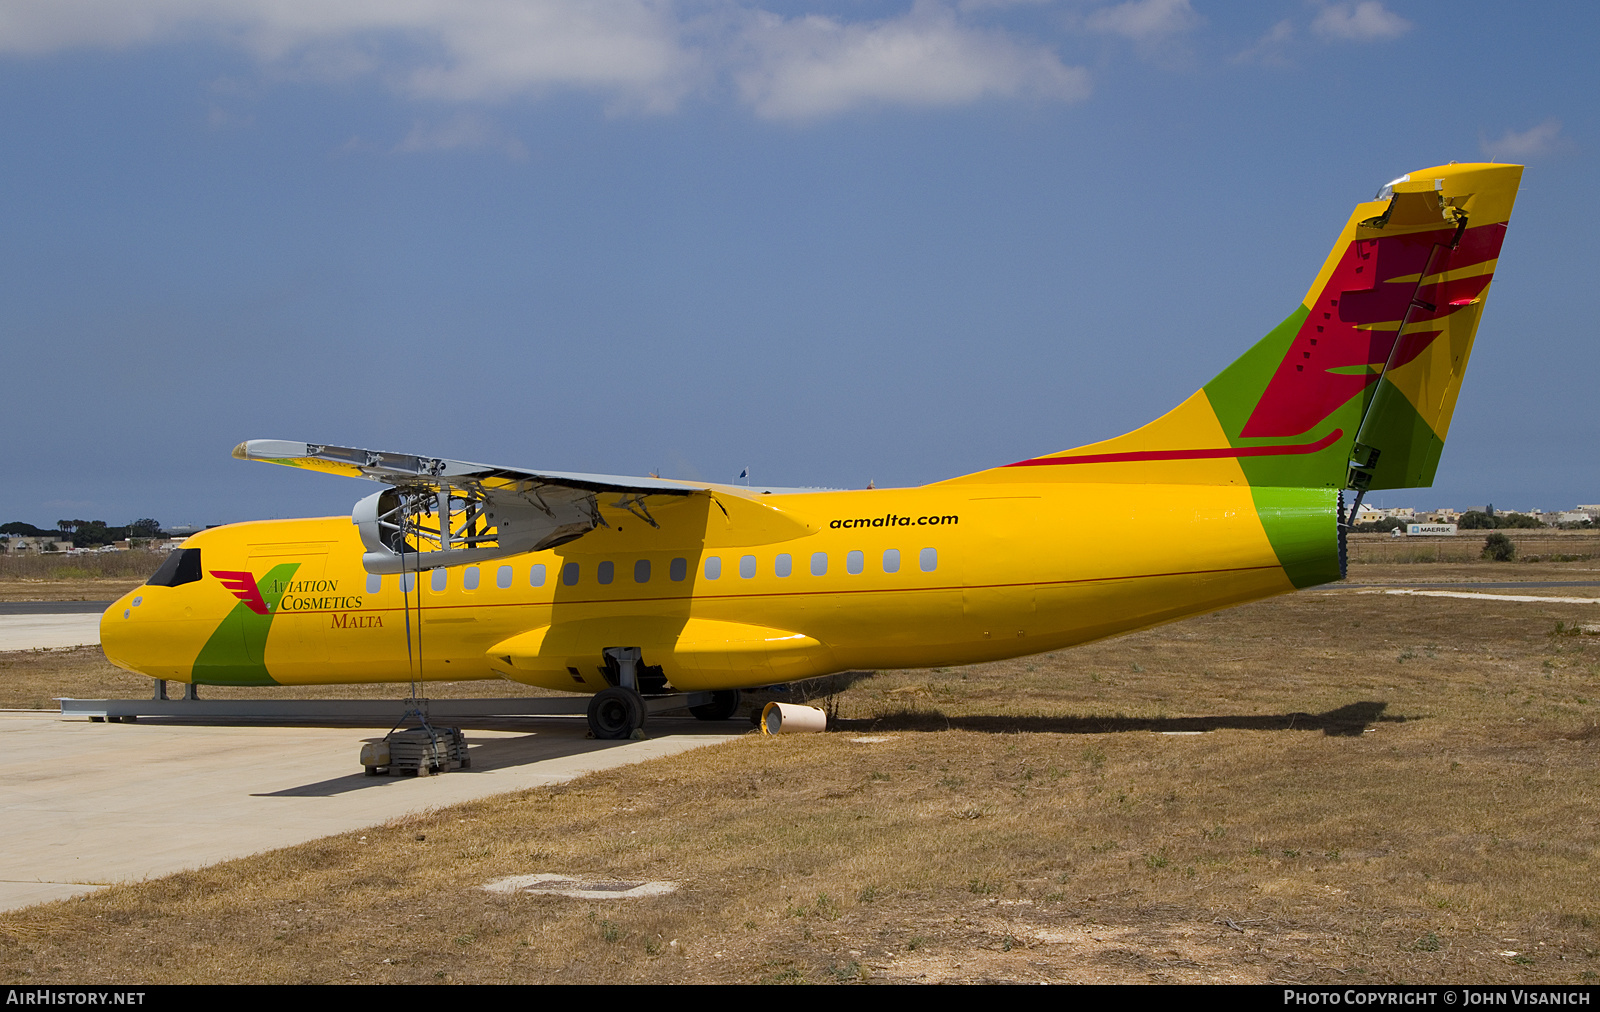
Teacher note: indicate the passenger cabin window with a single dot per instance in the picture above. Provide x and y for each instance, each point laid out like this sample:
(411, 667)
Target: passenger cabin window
(374, 583)
(181, 567)
(929, 559)
(469, 578)
(783, 565)
(536, 575)
(854, 563)
(502, 577)
(747, 566)
(441, 580)
(605, 572)
(569, 574)
(641, 571)
(713, 567)
(408, 582)
(678, 570)
(819, 564)
(891, 560)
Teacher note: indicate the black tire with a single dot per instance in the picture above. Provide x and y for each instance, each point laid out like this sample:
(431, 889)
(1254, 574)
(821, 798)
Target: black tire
(724, 704)
(616, 712)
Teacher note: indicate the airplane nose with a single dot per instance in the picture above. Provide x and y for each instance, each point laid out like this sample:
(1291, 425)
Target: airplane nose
(137, 637)
(120, 635)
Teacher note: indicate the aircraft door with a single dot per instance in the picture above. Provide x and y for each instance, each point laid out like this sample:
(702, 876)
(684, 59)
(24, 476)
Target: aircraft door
(996, 600)
(295, 648)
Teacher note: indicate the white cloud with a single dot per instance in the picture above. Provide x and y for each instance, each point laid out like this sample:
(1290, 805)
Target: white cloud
(988, 5)
(627, 48)
(645, 55)
(466, 131)
(1269, 48)
(1367, 21)
(1145, 20)
(1511, 146)
(449, 49)
(815, 66)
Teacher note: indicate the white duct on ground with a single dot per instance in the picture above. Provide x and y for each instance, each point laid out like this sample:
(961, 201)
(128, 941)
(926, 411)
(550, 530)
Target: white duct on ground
(792, 718)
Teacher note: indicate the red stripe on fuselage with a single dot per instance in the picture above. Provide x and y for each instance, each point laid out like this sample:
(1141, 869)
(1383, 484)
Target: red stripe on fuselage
(1209, 454)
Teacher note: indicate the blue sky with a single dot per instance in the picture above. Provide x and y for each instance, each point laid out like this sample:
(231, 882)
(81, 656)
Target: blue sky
(832, 242)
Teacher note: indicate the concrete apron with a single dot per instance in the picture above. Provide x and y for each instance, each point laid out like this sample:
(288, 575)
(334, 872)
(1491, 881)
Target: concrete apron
(87, 805)
(41, 632)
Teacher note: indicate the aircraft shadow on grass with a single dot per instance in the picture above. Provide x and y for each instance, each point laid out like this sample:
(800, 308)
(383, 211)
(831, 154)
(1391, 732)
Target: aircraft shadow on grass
(1350, 720)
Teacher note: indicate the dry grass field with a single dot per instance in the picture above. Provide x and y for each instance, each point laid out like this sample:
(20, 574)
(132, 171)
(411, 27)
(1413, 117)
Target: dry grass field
(1534, 548)
(1341, 786)
(100, 576)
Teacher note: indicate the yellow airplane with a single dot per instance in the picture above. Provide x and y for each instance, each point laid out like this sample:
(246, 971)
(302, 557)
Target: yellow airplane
(625, 587)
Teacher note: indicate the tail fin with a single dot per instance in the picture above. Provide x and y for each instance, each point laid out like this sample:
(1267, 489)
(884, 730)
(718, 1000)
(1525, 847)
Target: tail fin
(1356, 388)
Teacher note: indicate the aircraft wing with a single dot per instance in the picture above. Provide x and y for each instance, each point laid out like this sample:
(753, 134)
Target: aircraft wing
(410, 469)
(440, 512)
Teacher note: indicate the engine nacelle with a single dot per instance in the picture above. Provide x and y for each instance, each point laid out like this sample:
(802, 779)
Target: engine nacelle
(410, 529)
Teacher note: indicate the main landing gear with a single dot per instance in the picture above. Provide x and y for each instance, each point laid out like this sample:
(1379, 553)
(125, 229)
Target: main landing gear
(724, 704)
(619, 711)
(616, 712)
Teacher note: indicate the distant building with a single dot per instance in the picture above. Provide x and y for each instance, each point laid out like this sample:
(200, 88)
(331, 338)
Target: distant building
(1371, 513)
(21, 544)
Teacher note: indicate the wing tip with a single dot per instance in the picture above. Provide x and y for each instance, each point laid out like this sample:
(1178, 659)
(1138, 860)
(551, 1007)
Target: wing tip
(270, 450)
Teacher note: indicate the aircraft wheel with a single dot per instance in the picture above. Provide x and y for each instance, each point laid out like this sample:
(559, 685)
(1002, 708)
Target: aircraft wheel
(724, 704)
(616, 712)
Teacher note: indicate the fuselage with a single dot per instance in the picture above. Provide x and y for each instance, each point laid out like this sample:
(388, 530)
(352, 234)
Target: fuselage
(1230, 496)
(729, 590)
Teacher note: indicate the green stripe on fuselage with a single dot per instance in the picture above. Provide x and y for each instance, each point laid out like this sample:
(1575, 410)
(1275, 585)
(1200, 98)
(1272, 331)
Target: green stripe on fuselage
(1236, 391)
(236, 653)
(1302, 524)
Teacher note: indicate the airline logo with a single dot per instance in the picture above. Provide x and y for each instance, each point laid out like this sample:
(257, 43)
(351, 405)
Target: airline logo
(1351, 334)
(243, 586)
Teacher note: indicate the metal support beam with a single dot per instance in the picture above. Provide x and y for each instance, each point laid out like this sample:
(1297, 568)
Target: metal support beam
(627, 659)
(377, 712)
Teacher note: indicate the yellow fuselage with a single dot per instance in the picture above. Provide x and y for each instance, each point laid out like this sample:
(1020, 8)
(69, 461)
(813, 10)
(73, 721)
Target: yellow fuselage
(728, 591)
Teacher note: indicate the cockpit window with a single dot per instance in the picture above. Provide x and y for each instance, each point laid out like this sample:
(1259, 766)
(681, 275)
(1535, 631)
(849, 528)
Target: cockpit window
(182, 566)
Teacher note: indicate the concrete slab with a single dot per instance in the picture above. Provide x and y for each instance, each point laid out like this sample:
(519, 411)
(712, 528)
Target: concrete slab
(54, 607)
(36, 632)
(86, 805)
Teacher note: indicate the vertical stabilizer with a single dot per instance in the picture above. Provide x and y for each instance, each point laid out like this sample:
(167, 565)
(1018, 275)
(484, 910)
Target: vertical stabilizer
(1357, 386)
